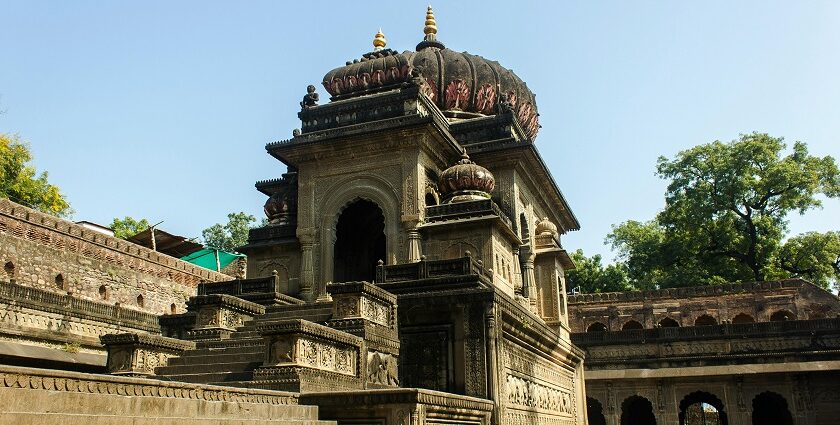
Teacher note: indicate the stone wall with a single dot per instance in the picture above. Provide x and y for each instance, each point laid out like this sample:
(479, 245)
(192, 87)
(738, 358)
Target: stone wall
(795, 299)
(41, 251)
(47, 397)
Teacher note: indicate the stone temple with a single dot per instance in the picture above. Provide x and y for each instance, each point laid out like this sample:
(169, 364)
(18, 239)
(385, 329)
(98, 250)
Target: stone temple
(411, 272)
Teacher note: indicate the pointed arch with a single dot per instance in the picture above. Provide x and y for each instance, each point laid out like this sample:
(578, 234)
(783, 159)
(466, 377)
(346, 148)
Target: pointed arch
(631, 325)
(694, 409)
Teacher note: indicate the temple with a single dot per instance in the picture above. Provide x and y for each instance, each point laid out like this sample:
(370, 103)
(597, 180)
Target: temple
(411, 272)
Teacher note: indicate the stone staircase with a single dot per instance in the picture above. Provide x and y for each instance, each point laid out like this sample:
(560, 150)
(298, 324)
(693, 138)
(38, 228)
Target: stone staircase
(231, 362)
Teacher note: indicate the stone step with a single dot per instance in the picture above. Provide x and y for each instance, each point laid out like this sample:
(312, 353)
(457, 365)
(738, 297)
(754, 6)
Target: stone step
(311, 316)
(220, 357)
(220, 378)
(191, 368)
(229, 343)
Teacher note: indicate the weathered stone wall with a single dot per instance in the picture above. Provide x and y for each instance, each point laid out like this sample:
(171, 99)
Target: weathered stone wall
(723, 303)
(41, 251)
(47, 397)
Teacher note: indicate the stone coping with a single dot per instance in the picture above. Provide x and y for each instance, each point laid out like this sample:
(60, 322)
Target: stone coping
(300, 326)
(147, 340)
(77, 382)
(66, 304)
(725, 331)
(19, 212)
(39, 353)
(687, 292)
(226, 301)
(396, 396)
(365, 288)
(717, 370)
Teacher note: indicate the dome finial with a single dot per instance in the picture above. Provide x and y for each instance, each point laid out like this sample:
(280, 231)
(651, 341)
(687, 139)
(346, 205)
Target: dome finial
(431, 27)
(430, 31)
(379, 41)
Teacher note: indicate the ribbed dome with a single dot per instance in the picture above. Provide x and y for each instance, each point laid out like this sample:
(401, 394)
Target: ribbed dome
(462, 85)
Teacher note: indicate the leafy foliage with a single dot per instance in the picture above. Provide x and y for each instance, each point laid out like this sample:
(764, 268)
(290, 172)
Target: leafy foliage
(229, 236)
(127, 227)
(813, 256)
(22, 184)
(725, 213)
(589, 275)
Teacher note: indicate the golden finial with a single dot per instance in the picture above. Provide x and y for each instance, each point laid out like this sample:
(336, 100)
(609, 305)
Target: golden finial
(379, 41)
(431, 26)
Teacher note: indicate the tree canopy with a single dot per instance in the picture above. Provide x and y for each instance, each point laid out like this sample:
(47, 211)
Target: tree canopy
(127, 227)
(725, 216)
(20, 182)
(589, 275)
(229, 236)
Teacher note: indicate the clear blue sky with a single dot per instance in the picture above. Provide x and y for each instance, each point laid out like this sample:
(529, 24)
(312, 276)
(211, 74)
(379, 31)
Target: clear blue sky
(162, 109)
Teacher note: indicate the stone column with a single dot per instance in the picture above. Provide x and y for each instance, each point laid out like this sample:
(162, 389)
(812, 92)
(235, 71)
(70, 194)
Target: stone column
(414, 246)
(307, 266)
(529, 284)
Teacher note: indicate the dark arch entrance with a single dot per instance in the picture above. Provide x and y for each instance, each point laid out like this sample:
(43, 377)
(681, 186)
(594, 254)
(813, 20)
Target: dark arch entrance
(637, 410)
(770, 408)
(702, 408)
(595, 412)
(359, 242)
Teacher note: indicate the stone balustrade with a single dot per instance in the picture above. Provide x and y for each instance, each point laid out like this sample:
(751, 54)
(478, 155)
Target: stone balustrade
(218, 315)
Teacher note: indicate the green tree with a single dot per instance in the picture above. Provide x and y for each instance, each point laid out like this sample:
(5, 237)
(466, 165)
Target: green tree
(229, 236)
(726, 212)
(127, 227)
(589, 275)
(22, 184)
(813, 256)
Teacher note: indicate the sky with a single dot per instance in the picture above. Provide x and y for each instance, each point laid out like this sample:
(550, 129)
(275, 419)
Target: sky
(162, 109)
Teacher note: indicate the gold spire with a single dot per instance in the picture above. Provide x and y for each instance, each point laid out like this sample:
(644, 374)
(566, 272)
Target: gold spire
(379, 41)
(431, 26)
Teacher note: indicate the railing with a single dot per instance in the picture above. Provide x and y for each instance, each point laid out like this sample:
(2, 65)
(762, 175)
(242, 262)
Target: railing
(52, 302)
(241, 286)
(636, 336)
(466, 209)
(685, 292)
(424, 269)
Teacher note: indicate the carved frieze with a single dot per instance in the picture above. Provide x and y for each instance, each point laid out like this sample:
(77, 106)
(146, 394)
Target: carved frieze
(527, 393)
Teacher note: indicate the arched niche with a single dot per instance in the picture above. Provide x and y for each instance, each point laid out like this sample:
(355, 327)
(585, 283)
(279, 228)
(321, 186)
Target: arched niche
(344, 194)
(742, 318)
(770, 408)
(631, 325)
(705, 320)
(702, 408)
(668, 323)
(637, 410)
(782, 316)
(597, 327)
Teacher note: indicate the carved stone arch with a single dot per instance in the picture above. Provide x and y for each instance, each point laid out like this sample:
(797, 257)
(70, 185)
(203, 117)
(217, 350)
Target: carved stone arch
(770, 408)
(637, 410)
(459, 249)
(782, 316)
(742, 318)
(431, 196)
(341, 195)
(631, 325)
(595, 411)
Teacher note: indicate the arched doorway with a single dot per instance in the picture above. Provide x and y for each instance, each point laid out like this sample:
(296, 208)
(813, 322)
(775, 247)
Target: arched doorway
(595, 412)
(597, 327)
(782, 316)
(770, 408)
(359, 243)
(668, 323)
(637, 410)
(702, 408)
(742, 318)
(705, 320)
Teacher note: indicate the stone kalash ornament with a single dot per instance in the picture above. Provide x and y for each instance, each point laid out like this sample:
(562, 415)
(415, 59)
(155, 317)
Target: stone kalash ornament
(466, 181)
(281, 206)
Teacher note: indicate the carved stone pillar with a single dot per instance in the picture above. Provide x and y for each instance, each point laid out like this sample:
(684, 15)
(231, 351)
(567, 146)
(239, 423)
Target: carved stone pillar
(529, 284)
(307, 266)
(414, 246)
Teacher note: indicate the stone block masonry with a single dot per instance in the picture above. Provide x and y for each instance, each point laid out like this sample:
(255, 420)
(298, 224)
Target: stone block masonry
(41, 251)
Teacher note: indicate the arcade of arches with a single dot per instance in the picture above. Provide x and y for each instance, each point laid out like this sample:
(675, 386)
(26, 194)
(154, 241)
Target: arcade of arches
(695, 408)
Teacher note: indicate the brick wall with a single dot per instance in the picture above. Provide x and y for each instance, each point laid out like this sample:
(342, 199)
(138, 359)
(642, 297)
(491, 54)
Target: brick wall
(46, 252)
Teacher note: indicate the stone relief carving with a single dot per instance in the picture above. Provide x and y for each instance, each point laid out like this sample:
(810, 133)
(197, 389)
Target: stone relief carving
(206, 317)
(382, 369)
(376, 312)
(527, 393)
(281, 351)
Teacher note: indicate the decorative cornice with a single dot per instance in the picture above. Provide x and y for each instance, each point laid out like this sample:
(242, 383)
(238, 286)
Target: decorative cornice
(305, 327)
(397, 396)
(225, 301)
(147, 340)
(362, 288)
